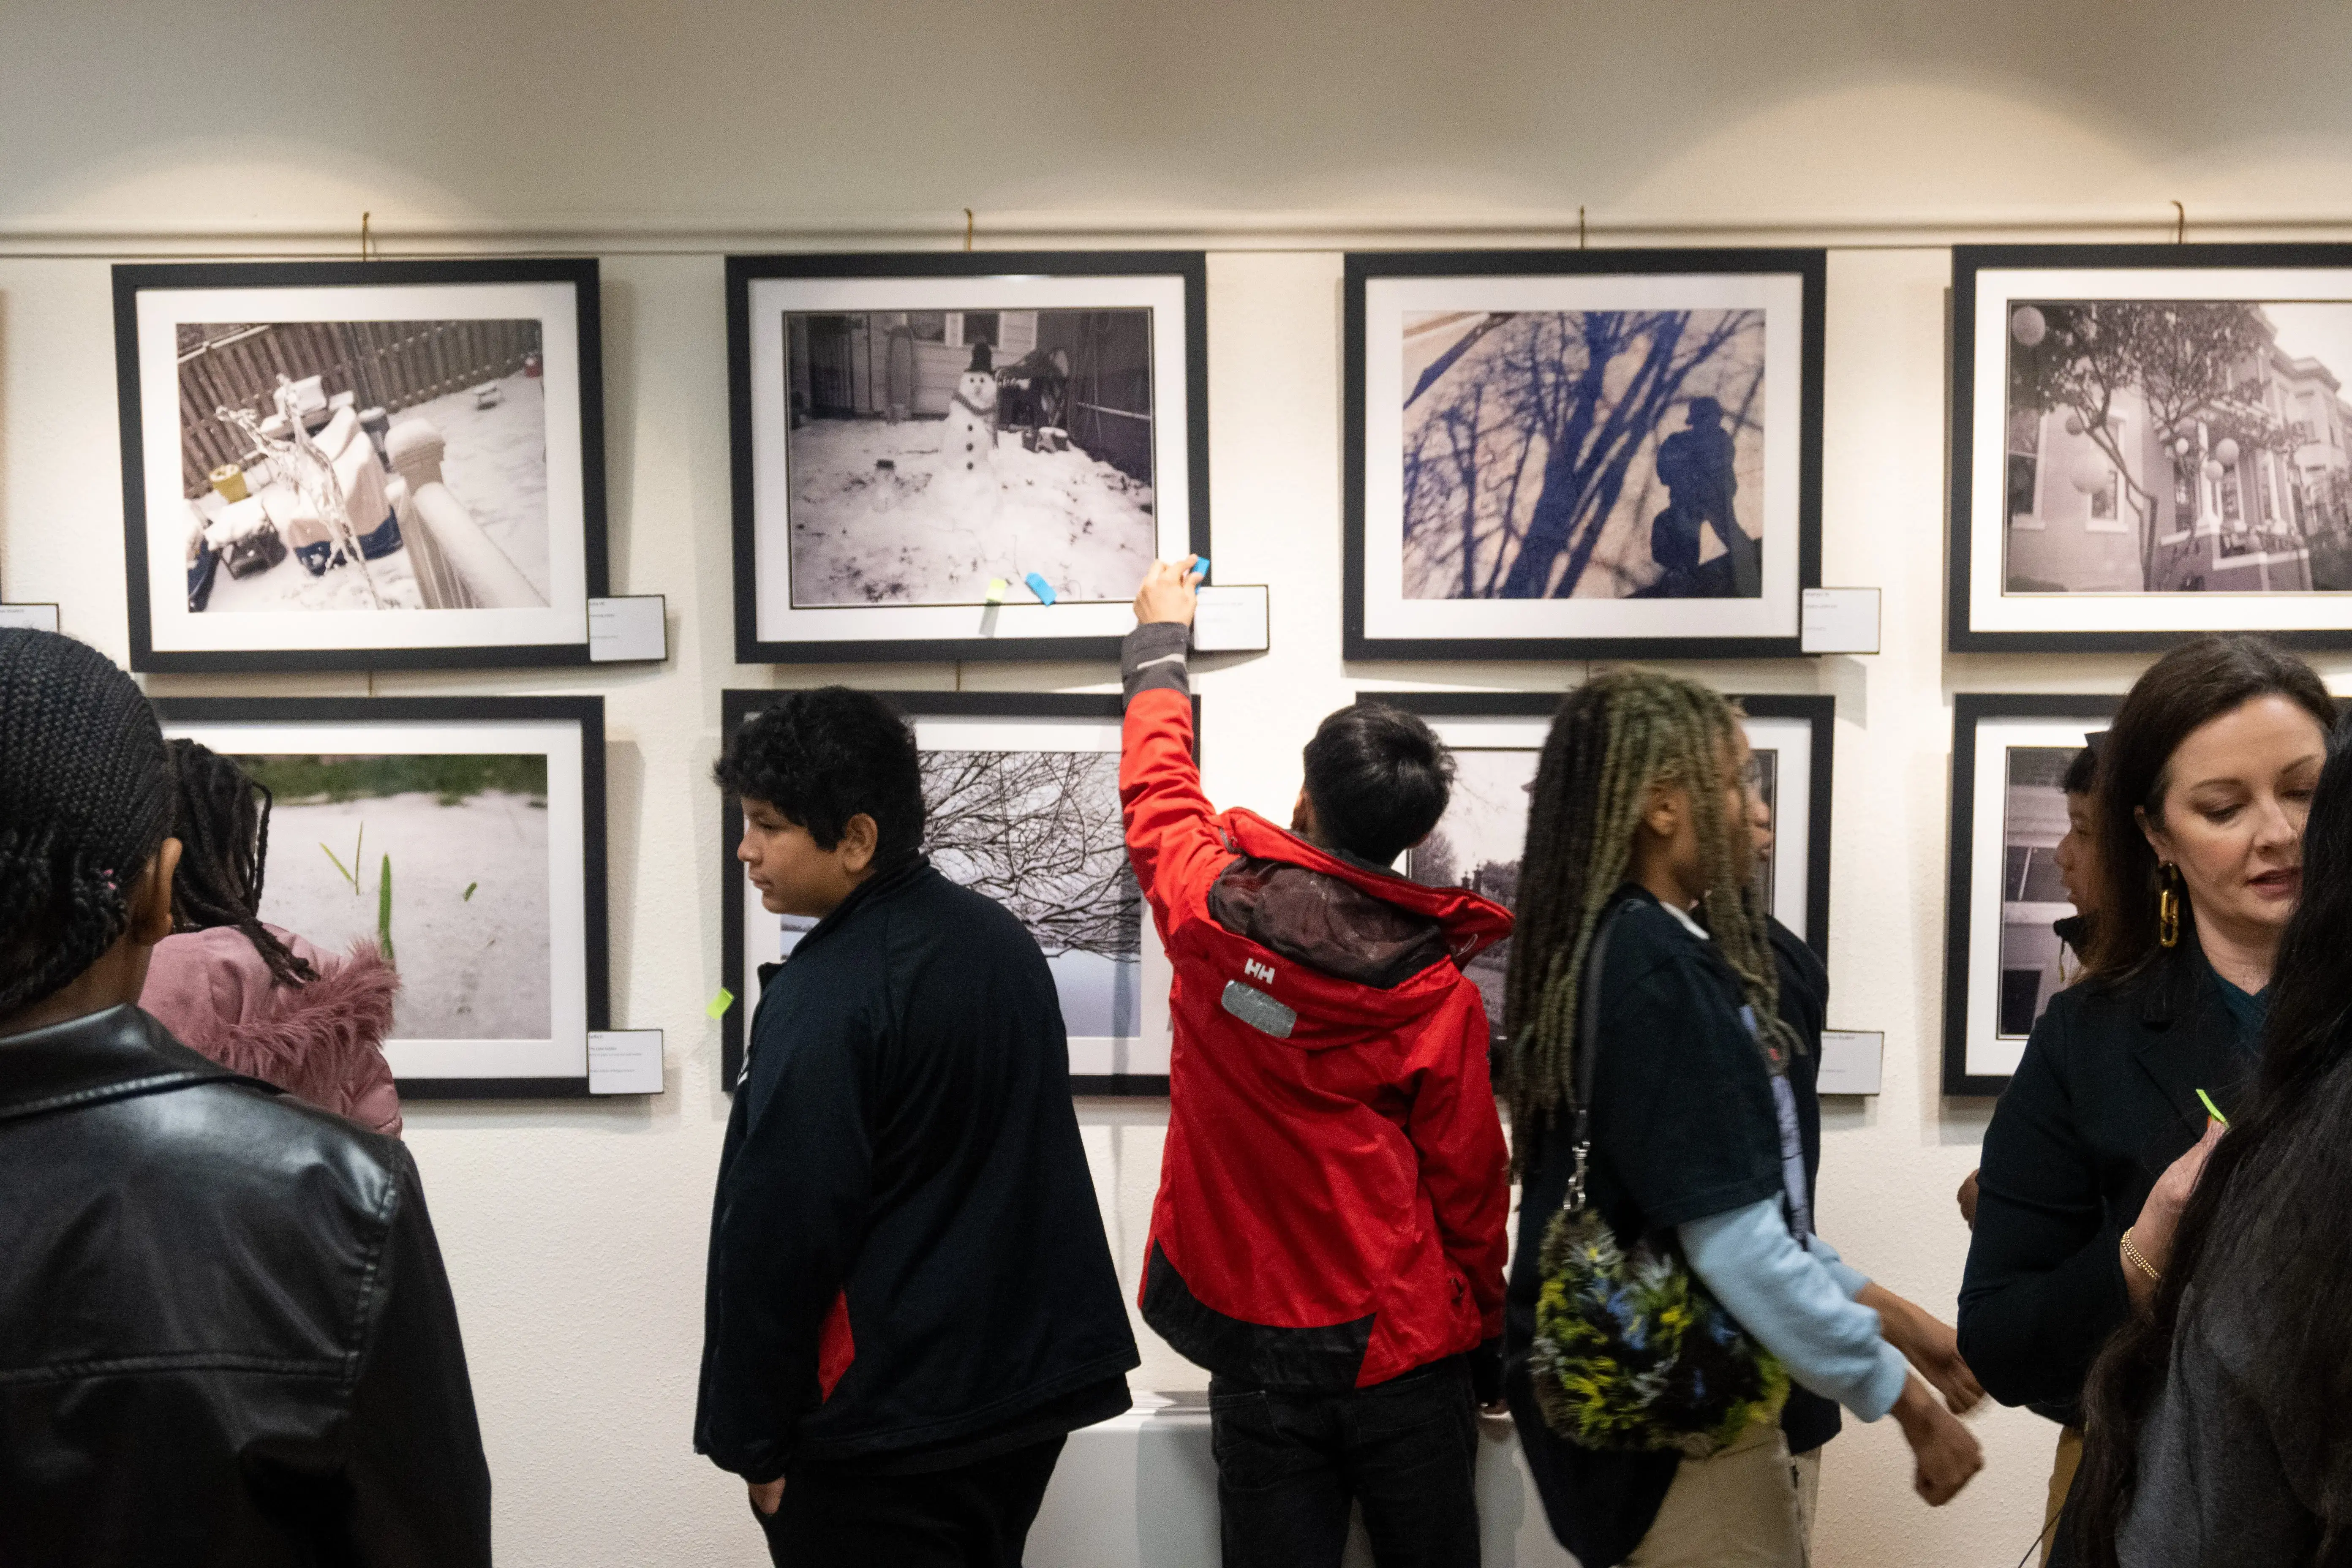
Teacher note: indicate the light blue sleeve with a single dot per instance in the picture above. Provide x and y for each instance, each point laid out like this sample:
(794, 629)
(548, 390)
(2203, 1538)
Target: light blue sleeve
(1796, 1307)
(1850, 1280)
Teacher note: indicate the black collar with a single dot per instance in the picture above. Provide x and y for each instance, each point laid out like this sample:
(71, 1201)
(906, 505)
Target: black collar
(876, 888)
(2189, 1040)
(102, 1055)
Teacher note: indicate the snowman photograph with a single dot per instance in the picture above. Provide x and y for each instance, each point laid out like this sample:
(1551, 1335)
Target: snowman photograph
(933, 453)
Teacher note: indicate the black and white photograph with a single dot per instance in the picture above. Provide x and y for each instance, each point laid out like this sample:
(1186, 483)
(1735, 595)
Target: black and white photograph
(2003, 957)
(463, 838)
(1497, 738)
(1021, 799)
(2151, 441)
(963, 456)
(1562, 456)
(347, 481)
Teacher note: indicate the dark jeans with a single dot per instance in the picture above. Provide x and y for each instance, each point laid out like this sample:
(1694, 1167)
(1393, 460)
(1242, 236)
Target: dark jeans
(975, 1516)
(1289, 1462)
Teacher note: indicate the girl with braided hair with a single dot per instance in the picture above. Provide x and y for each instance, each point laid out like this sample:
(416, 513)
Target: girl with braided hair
(255, 997)
(1634, 883)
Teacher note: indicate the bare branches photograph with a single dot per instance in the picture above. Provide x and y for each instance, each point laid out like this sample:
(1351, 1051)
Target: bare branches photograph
(1581, 454)
(1597, 454)
(2150, 441)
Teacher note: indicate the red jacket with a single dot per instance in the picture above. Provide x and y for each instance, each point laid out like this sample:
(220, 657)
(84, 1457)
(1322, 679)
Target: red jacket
(1335, 1187)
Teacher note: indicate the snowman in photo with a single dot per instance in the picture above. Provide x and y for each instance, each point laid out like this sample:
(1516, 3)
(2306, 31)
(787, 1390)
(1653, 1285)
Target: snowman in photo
(968, 491)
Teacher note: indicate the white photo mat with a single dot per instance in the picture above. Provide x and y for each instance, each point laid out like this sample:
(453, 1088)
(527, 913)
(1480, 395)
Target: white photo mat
(175, 629)
(766, 939)
(564, 1053)
(1019, 615)
(1388, 300)
(1990, 609)
(1989, 1053)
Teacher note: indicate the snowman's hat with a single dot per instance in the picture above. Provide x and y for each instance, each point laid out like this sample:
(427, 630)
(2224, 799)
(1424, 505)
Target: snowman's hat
(982, 362)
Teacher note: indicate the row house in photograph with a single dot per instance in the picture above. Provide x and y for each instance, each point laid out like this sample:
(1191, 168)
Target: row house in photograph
(2229, 514)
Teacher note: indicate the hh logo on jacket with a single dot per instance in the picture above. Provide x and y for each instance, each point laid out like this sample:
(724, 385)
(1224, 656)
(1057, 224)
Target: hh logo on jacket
(1261, 972)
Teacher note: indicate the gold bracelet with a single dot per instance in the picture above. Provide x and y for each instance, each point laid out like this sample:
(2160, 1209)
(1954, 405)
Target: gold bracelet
(2138, 1261)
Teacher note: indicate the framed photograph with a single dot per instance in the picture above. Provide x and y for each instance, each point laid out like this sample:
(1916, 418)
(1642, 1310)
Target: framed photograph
(1583, 454)
(464, 836)
(366, 465)
(1498, 737)
(961, 456)
(1022, 794)
(2003, 962)
(2150, 442)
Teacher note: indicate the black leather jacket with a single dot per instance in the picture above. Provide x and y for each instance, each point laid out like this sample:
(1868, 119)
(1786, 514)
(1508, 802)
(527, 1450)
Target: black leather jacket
(226, 1336)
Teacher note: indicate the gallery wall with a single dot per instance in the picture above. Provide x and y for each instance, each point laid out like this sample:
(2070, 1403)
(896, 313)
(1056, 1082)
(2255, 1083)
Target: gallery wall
(1272, 135)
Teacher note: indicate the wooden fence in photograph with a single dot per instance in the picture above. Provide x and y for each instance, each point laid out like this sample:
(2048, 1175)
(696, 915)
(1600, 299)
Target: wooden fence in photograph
(390, 365)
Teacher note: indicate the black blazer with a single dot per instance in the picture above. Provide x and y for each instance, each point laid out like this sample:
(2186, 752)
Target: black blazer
(2105, 1099)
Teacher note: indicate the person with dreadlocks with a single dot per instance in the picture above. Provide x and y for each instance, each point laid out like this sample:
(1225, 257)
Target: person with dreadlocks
(1639, 850)
(225, 1333)
(255, 998)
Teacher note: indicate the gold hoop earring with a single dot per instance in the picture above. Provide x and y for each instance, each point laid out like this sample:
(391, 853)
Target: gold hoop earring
(2168, 905)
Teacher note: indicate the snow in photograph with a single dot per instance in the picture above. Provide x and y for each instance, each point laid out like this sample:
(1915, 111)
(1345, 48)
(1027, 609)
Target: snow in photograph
(364, 466)
(1039, 832)
(1583, 454)
(933, 452)
(440, 860)
(2177, 445)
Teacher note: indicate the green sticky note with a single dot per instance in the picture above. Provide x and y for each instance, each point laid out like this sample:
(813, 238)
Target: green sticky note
(996, 586)
(719, 1004)
(2212, 1110)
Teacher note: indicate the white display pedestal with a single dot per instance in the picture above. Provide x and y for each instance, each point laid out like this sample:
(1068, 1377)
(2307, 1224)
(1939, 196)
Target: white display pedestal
(1140, 1492)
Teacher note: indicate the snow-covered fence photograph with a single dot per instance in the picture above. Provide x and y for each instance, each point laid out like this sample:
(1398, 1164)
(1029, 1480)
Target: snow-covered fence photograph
(364, 465)
(1039, 832)
(1587, 454)
(933, 452)
(441, 860)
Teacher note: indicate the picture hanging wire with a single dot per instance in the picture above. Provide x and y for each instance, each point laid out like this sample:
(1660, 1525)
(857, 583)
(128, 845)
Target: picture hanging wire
(967, 231)
(1579, 226)
(2179, 223)
(364, 236)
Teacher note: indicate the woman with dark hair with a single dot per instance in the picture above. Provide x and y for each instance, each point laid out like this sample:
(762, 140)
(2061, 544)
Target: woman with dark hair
(254, 997)
(2203, 784)
(2221, 1420)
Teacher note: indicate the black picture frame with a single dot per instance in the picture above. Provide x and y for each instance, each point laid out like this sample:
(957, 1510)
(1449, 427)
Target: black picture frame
(588, 713)
(1811, 266)
(750, 647)
(736, 705)
(1970, 709)
(1820, 712)
(134, 279)
(1970, 542)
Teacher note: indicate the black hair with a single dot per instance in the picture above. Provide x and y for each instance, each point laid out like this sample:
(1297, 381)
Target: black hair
(821, 757)
(2083, 772)
(84, 803)
(2262, 1241)
(1380, 779)
(2194, 684)
(223, 826)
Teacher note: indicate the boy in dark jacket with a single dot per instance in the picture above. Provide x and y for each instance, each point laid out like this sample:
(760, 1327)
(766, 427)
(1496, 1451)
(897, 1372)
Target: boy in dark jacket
(911, 1301)
(1329, 1238)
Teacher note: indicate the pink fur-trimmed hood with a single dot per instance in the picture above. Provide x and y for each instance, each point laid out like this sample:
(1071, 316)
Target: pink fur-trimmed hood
(322, 1042)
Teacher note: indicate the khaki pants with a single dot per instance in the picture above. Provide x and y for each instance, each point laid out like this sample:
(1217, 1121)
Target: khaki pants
(2061, 1481)
(1750, 1506)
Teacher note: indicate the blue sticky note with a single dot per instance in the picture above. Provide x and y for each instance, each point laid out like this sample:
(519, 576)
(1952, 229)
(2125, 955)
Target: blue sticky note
(1200, 564)
(1039, 586)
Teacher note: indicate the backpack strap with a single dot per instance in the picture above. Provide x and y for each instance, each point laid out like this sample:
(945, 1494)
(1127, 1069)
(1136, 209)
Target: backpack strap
(1588, 1042)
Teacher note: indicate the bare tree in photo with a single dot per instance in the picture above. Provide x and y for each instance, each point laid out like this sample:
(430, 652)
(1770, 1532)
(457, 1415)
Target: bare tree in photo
(2189, 361)
(1039, 832)
(1522, 437)
(1433, 862)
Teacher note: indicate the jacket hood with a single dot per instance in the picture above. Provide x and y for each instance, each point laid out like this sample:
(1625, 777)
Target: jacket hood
(1342, 919)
